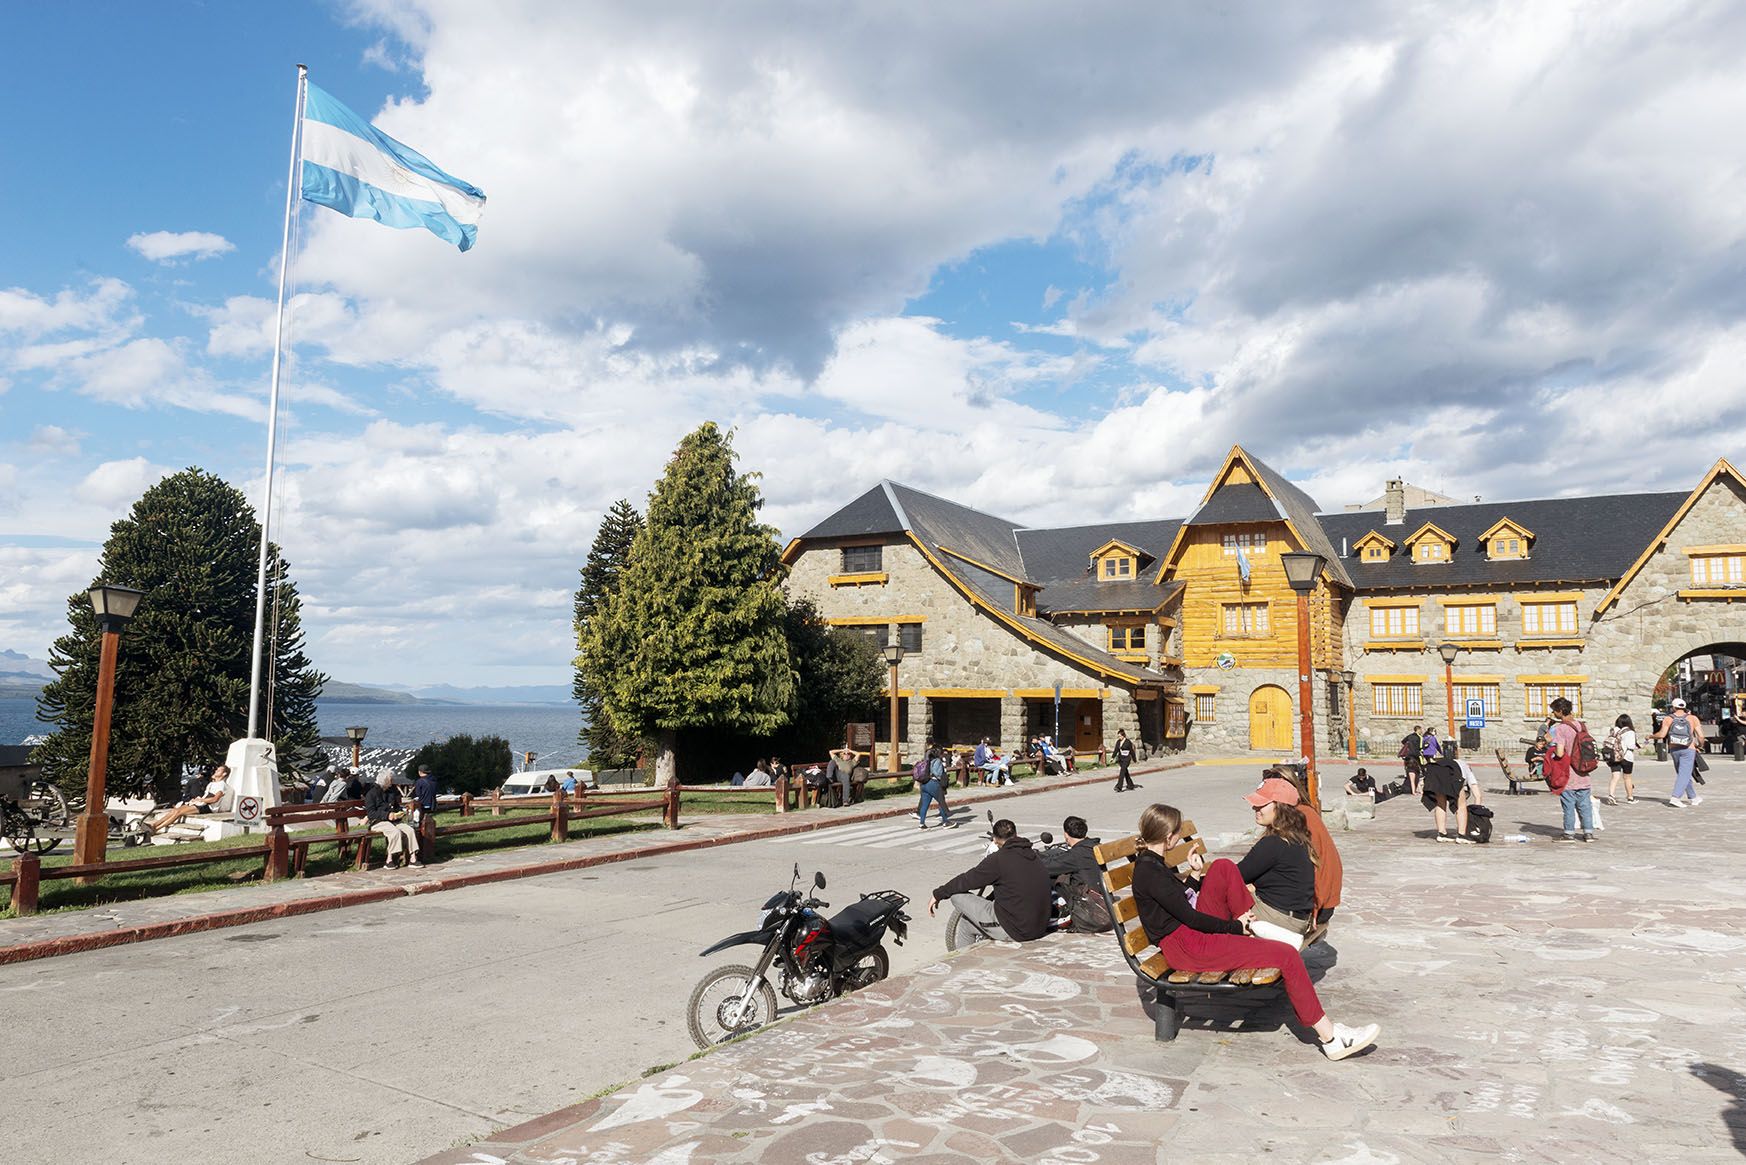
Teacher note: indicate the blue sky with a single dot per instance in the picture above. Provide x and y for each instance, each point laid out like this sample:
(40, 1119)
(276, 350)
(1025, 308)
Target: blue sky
(1050, 263)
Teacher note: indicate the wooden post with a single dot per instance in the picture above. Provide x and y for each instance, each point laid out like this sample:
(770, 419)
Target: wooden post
(1449, 693)
(671, 817)
(1306, 698)
(782, 794)
(466, 804)
(1351, 724)
(91, 837)
(278, 852)
(427, 836)
(28, 868)
(896, 762)
(497, 802)
(560, 817)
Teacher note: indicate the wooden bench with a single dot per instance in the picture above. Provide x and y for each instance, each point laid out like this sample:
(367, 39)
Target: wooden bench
(1517, 785)
(289, 853)
(1115, 860)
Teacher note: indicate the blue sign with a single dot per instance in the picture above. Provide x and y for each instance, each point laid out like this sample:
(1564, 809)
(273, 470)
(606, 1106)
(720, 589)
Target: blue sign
(1476, 713)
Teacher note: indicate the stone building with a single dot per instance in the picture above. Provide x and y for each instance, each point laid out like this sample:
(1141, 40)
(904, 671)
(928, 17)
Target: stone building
(1184, 631)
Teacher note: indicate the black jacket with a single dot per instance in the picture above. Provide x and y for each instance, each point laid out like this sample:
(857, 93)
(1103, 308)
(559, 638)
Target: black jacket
(1163, 901)
(1021, 888)
(380, 802)
(1078, 862)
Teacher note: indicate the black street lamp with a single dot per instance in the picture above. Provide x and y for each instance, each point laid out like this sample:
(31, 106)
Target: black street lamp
(114, 606)
(1449, 651)
(356, 734)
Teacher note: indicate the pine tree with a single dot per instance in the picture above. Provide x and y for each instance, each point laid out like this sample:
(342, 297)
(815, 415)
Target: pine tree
(841, 677)
(692, 636)
(296, 685)
(181, 681)
(608, 748)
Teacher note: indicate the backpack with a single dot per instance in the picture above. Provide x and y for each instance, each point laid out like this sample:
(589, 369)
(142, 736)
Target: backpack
(1089, 910)
(1679, 731)
(1610, 747)
(1479, 823)
(919, 770)
(1556, 770)
(1584, 756)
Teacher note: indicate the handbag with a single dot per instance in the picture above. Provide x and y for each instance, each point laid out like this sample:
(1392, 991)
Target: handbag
(1699, 767)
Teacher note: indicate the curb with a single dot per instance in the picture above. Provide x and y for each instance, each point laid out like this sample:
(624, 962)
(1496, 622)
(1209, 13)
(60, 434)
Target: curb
(218, 920)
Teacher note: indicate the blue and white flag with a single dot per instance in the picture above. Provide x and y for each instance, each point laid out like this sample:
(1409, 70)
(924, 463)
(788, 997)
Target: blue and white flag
(356, 169)
(1242, 566)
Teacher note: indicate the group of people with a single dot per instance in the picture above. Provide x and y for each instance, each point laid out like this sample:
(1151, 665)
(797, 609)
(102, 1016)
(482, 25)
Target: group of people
(763, 775)
(1204, 916)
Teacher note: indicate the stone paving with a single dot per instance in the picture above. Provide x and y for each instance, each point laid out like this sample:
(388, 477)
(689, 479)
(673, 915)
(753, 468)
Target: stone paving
(65, 932)
(1539, 1001)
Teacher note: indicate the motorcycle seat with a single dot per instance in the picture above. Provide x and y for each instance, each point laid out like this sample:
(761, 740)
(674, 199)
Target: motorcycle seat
(858, 926)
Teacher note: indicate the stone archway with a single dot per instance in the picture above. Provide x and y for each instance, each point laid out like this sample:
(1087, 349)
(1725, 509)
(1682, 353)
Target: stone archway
(1707, 677)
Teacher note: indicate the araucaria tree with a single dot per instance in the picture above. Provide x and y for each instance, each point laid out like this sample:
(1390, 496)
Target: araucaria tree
(608, 748)
(692, 636)
(182, 679)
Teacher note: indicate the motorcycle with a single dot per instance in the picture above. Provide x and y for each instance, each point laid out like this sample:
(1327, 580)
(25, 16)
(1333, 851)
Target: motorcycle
(814, 959)
(963, 932)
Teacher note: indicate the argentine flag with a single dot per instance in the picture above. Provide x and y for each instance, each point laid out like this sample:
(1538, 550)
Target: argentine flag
(355, 168)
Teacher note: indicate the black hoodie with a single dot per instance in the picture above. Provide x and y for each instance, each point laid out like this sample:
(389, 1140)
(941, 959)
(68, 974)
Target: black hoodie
(1078, 862)
(1021, 888)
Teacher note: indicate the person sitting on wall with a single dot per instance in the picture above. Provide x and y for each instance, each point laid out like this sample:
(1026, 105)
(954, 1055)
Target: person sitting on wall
(213, 800)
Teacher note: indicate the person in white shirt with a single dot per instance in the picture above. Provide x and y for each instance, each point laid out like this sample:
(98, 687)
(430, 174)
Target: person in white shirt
(210, 801)
(1619, 750)
(1475, 795)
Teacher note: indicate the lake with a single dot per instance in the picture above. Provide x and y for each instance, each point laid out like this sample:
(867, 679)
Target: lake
(549, 730)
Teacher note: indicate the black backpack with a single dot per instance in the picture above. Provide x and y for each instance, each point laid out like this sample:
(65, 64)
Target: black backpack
(1089, 909)
(1479, 823)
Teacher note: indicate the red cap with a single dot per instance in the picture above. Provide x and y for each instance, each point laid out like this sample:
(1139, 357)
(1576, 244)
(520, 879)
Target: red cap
(1273, 789)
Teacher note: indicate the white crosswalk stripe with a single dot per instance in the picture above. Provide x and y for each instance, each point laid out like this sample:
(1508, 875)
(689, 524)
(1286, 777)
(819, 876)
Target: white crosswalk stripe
(901, 833)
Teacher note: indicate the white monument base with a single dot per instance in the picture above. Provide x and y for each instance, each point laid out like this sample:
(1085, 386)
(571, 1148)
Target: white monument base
(254, 777)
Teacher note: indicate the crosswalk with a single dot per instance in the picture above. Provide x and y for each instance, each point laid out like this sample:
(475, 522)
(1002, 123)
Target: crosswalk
(971, 836)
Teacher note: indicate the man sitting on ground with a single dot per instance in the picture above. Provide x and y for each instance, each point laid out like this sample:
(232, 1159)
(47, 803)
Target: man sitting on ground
(216, 799)
(1020, 909)
(1077, 860)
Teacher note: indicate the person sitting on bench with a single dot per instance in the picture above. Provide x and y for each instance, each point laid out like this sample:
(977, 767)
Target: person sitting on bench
(1216, 932)
(995, 770)
(842, 770)
(1280, 869)
(211, 801)
(383, 811)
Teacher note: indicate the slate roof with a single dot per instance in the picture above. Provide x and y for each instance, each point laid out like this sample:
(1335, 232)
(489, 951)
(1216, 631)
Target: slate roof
(1575, 539)
(1237, 501)
(939, 522)
(871, 513)
(1301, 510)
(1065, 552)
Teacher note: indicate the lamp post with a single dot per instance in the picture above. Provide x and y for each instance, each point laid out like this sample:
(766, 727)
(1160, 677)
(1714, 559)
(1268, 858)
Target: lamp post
(114, 605)
(894, 656)
(1348, 678)
(1449, 651)
(356, 733)
(1302, 570)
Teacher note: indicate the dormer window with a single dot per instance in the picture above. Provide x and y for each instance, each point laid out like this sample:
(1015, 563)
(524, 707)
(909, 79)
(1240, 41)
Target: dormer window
(1373, 547)
(1115, 561)
(1506, 540)
(1118, 566)
(1431, 545)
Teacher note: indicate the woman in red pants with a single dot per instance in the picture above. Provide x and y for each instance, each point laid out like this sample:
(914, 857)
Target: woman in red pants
(1212, 934)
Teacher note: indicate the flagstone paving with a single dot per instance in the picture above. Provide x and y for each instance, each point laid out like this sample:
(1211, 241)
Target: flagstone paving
(1539, 1001)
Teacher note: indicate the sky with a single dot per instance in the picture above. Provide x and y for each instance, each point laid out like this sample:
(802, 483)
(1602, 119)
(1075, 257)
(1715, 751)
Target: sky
(1051, 261)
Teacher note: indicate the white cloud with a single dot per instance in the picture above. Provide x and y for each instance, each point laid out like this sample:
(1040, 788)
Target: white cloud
(28, 315)
(54, 441)
(114, 485)
(170, 246)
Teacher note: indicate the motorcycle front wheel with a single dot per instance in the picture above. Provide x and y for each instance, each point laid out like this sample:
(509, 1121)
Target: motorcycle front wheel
(867, 970)
(961, 933)
(715, 1000)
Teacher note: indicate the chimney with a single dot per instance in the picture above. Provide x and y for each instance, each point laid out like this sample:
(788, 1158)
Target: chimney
(1396, 506)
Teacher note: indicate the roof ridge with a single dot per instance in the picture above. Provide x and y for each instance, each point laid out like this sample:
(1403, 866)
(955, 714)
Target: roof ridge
(1515, 502)
(889, 485)
(886, 484)
(1092, 525)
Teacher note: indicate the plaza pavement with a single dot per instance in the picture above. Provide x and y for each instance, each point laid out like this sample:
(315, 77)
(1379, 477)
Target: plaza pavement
(115, 924)
(1545, 1001)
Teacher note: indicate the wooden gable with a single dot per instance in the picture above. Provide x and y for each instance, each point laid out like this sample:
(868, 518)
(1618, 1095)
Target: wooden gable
(1373, 547)
(1116, 561)
(1506, 540)
(1431, 544)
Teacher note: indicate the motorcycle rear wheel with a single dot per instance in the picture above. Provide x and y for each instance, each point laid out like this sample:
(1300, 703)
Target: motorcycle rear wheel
(961, 933)
(719, 990)
(867, 970)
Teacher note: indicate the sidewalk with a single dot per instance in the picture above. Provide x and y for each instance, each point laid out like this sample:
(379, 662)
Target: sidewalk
(67, 932)
(1540, 1001)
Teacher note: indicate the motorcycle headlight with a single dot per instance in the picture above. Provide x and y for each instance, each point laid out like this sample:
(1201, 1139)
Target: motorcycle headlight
(764, 918)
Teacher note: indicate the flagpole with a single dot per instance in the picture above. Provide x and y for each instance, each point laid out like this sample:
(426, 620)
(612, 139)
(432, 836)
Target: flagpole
(273, 408)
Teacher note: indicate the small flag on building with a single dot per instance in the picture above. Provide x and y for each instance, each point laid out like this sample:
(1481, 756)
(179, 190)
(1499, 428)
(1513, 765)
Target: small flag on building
(356, 169)
(1242, 566)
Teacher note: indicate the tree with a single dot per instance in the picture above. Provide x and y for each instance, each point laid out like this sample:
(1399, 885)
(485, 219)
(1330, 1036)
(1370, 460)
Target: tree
(294, 685)
(465, 764)
(692, 635)
(608, 748)
(181, 681)
(841, 677)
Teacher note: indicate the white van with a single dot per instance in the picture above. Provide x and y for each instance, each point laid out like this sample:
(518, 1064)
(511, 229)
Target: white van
(534, 780)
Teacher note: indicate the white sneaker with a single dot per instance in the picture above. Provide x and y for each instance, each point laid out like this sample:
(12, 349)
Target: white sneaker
(1348, 1041)
(1676, 803)
(1695, 801)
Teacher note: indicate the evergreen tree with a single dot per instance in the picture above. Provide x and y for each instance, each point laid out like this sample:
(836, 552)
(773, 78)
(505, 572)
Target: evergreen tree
(296, 685)
(465, 764)
(841, 678)
(181, 681)
(608, 748)
(692, 635)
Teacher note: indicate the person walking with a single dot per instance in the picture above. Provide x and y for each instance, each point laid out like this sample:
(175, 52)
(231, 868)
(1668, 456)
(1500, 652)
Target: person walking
(1124, 756)
(933, 788)
(1620, 753)
(1685, 738)
(1431, 747)
(1412, 747)
(1576, 794)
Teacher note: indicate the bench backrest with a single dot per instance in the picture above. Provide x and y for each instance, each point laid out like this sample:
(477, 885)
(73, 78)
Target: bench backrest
(1115, 862)
(320, 811)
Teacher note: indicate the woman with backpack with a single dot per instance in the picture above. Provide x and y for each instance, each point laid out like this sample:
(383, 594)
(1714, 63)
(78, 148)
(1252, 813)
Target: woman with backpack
(933, 788)
(1620, 752)
(1684, 739)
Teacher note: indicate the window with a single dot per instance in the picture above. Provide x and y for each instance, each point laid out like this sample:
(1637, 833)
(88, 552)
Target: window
(1548, 618)
(879, 633)
(1485, 692)
(863, 559)
(1718, 570)
(1374, 553)
(1430, 550)
(1252, 542)
(1397, 699)
(1118, 566)
(1203, 707)
(1540, 697)
(1472, 620)
(1127, 638)
(909, 636)
(1394, 622)
(1245, 619)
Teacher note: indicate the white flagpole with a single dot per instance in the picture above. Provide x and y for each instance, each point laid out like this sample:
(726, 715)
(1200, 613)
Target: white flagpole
(273, 409)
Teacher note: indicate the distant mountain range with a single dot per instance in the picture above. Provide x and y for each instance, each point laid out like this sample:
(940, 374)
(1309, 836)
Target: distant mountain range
(22, 677)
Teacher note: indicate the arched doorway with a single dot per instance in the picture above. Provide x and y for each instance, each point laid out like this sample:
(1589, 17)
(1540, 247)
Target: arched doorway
(1711, 680)
(1269, 718)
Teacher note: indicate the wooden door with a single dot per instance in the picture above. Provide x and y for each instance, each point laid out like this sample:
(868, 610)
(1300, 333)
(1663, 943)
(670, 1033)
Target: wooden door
(1269, 719)
(1088, 719)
